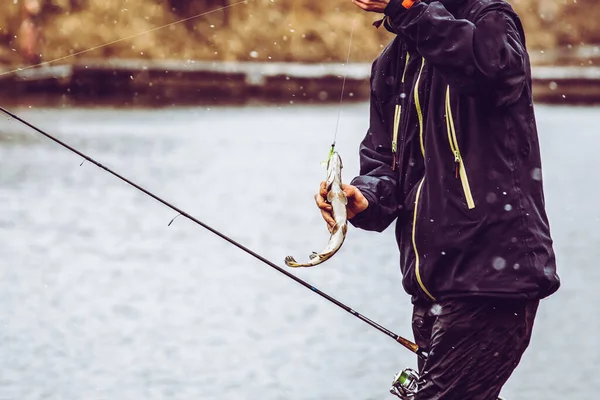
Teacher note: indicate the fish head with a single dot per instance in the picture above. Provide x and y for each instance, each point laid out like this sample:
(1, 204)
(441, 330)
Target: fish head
(334, 169)
(334, 166)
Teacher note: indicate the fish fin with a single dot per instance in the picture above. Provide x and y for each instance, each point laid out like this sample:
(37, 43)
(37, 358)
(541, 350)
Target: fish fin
(330, 196)
(341, 196)
(334, 229)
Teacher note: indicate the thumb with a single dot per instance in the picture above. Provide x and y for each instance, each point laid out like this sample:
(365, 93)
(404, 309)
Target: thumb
(349, 190)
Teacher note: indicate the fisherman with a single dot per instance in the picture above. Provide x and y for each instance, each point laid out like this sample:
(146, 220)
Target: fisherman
(29, 31)
(452, 155)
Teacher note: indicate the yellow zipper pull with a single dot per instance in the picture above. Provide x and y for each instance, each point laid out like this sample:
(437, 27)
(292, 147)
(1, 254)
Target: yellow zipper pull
(457, 161)
(395, 136)
(398, 115)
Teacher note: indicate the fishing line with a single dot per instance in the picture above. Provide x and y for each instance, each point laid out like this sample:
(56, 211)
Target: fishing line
(122, 39)
(404, 342)
(343, 85)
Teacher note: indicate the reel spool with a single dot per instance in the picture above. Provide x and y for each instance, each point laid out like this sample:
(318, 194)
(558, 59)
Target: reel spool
(404, 385)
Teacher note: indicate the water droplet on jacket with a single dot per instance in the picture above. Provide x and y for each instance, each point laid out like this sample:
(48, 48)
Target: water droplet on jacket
(431, 220)
(514, 240)
(436, 309)
(553, 85)
(507, 207)
(402, 95)
(254, 54)
(504, 193)
(491, 197)
(499, 263)
(549, 272)
(411, 162)
(443, 253)
(536, 174)
(516, 266)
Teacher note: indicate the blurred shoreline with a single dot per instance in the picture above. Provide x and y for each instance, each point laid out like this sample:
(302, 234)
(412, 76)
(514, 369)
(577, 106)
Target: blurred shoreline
(161, 83)
(140, 53)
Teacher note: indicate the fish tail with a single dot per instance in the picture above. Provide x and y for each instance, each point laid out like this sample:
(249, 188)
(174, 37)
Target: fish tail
(291, 262)
(315, 259)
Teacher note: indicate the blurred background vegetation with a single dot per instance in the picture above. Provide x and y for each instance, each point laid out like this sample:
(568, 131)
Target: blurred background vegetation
(259, 30)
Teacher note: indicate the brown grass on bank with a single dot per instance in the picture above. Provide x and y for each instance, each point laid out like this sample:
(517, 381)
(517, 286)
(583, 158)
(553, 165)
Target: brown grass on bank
(261, 30)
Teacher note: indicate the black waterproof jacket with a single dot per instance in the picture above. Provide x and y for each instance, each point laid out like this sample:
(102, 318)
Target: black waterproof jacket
(452, 153)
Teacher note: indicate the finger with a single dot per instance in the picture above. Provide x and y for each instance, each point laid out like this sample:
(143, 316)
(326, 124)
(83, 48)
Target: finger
(323, 189)
(321, 203)
(359, 4)
(328, 219)
(349, 191)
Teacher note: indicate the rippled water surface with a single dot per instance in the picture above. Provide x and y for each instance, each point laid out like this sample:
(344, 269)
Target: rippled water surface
(100, 299)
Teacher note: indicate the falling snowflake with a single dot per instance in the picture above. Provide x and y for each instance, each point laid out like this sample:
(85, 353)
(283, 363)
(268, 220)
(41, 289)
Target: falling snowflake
(436, 309)
(499, 263)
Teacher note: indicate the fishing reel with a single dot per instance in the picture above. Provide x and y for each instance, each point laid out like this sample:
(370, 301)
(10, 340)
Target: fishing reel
(404, 385)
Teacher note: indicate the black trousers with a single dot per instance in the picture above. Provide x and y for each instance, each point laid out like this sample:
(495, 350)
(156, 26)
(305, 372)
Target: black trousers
(474, 346)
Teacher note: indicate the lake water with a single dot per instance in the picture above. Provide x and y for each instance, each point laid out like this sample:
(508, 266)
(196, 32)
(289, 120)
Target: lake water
(100, 299)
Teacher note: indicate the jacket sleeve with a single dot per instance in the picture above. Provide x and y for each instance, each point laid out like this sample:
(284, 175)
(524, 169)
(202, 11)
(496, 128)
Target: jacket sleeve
(489, 54)
(377, 181)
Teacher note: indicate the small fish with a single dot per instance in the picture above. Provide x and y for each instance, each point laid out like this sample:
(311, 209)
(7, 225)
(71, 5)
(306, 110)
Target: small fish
(338, 201)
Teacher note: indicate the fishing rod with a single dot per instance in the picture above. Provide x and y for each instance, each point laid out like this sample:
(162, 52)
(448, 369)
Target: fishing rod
(405, 383)
(413, 347)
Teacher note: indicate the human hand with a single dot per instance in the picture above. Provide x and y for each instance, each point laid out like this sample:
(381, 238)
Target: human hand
(377, 6)
(357, 203)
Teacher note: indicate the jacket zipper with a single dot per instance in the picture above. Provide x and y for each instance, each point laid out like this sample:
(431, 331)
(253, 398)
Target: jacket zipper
(418, 107)
(460, 169)
(418, 195)
(414, 229)
(397, 116)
